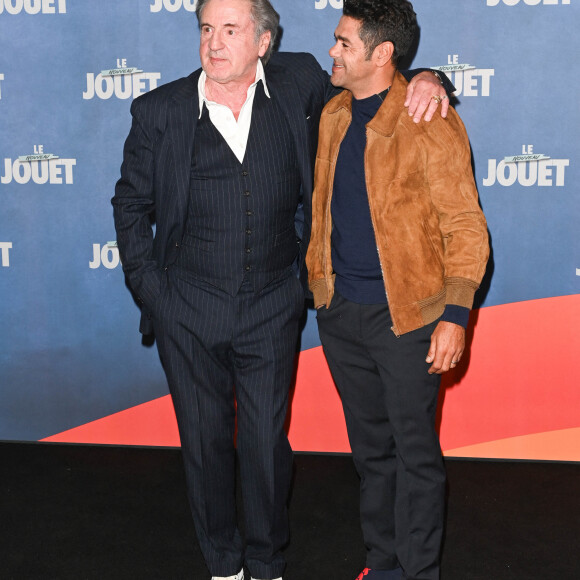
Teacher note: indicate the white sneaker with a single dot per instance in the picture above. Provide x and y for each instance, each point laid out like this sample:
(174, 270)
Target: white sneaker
(238, 576)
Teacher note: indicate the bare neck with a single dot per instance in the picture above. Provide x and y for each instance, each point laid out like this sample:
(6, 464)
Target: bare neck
(231, 94)
(375, 84)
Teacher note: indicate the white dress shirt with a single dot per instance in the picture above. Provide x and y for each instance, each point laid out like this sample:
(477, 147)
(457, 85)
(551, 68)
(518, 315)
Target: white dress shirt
(234, 132)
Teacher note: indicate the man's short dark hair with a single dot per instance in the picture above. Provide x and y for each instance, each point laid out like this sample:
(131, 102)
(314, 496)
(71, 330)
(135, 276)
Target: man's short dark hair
(264, 16)
(384, 20)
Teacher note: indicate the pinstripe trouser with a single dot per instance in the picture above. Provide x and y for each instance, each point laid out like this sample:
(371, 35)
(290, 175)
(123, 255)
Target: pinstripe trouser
(218, 350)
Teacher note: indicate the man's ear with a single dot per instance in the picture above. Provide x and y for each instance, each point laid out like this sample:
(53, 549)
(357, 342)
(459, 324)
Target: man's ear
(264, 43)
(383, 53)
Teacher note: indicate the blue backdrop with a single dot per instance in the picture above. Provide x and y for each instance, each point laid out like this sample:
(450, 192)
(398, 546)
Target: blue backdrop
(69, 348)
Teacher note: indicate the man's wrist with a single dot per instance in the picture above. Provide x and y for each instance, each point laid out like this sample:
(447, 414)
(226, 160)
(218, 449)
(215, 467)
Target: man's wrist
(436, 73)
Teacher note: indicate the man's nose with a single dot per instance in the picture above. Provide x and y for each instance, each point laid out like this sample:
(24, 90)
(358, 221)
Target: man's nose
(215, 42)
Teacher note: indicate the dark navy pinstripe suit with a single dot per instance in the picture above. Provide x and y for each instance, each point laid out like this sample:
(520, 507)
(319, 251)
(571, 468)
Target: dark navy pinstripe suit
(213, 336)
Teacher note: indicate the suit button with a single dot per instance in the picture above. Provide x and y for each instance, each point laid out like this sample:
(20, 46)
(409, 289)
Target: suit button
(249, 212)
(248, 232)
(245, 174)
(248, 250)
(248, 268)
(247, 193)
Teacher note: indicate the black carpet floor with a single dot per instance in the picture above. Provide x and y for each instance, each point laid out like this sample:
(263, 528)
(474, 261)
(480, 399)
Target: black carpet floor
(108, 513)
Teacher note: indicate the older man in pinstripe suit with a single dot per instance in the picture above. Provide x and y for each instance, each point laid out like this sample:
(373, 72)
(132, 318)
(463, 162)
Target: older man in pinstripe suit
(220, 161)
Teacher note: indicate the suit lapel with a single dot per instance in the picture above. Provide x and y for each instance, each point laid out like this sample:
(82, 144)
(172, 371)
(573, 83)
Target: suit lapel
(181, 125)
(288, 99)
(182, 122)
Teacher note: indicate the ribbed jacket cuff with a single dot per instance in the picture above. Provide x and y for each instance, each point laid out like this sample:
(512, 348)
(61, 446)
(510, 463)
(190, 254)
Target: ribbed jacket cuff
(319, 290)
(460, 291)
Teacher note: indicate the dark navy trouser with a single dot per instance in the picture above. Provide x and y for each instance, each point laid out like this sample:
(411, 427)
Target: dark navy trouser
(390, 403)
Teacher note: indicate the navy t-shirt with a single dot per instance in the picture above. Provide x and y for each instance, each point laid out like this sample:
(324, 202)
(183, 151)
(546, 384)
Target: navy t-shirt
(354, 249)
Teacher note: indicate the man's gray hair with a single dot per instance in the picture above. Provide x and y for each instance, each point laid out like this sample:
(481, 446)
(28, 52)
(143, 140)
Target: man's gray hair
(265, 18)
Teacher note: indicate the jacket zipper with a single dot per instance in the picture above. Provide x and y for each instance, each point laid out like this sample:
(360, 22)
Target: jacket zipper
(394, 327)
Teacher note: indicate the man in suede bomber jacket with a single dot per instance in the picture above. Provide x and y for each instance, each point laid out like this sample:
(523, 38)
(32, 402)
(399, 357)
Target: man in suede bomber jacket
(398, 248)
(430, 232)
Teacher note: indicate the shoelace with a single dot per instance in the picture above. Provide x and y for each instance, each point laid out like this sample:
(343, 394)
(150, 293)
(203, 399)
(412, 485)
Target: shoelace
(363, 573)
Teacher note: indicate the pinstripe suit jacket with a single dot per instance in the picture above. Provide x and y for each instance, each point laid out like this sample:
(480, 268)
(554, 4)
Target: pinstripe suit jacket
(155, 175)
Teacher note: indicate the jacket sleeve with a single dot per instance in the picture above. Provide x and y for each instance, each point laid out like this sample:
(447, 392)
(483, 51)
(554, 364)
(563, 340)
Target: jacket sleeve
(133, 211)
(315, 262)
(315, 255)
(461, 221)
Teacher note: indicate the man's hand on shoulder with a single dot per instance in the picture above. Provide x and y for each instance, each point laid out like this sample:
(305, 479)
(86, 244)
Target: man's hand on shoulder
(424, 94)
(447, 346)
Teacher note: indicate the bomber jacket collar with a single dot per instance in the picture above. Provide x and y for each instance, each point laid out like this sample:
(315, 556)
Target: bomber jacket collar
(385, 120)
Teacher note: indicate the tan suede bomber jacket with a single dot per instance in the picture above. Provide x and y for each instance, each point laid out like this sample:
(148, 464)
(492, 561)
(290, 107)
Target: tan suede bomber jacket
(430, 231)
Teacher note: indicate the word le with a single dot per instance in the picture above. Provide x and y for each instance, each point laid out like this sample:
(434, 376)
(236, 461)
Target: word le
(122, 69)
(5, 248)
(39, 155)
(528, 2)
(124, 85)
(173, 5)
(33, 6)
(322, 4)
(453, 64)
(527, 155)
(107, 255)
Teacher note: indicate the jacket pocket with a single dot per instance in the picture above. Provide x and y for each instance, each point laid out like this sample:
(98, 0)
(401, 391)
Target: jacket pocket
(286, 237)
(198, 243)
(433, 245)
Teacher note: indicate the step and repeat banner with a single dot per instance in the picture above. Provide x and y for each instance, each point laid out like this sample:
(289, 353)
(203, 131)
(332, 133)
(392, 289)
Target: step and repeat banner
(73, 366)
